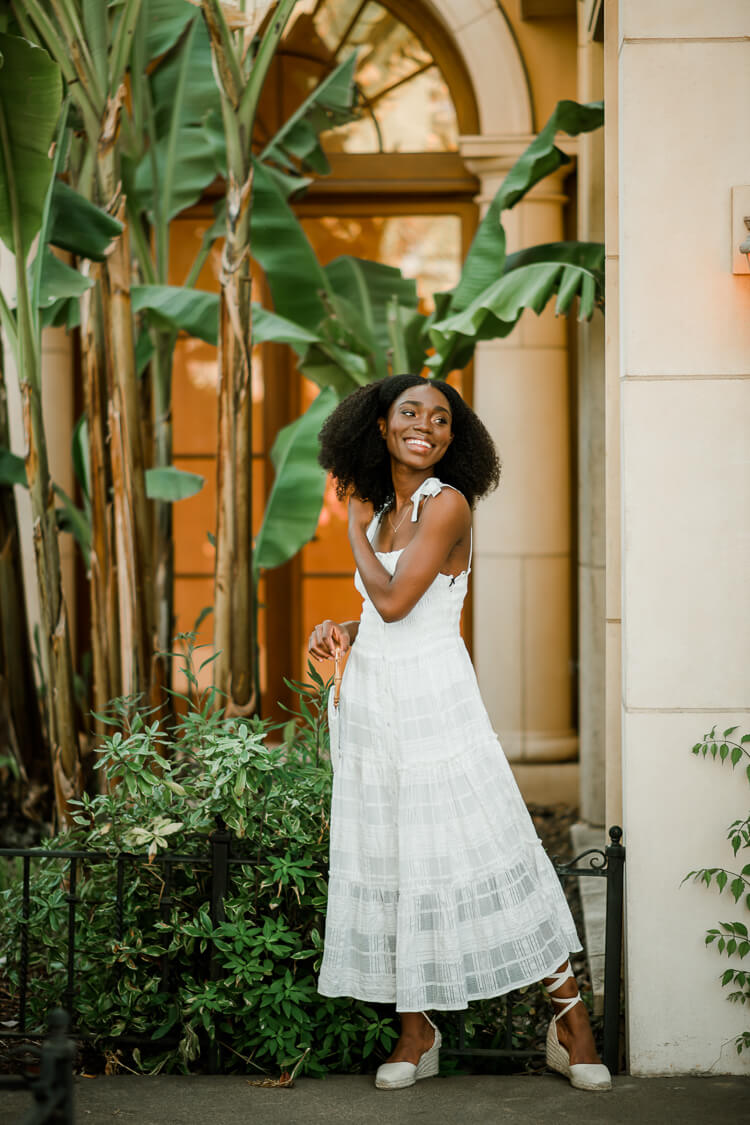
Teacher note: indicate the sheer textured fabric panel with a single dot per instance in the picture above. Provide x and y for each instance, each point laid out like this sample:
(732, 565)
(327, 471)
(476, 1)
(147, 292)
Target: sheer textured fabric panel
(440, 891)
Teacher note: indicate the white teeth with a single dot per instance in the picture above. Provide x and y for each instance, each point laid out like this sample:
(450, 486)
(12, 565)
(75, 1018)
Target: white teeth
(419, 444)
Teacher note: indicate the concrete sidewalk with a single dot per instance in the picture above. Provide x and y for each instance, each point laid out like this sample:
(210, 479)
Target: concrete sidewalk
(533, 1100)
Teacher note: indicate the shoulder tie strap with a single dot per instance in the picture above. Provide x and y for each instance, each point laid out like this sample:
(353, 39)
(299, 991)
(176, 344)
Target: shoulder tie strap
(430, 487)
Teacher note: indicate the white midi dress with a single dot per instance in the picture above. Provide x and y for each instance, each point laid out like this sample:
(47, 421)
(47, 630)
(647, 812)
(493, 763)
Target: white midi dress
(439, 889)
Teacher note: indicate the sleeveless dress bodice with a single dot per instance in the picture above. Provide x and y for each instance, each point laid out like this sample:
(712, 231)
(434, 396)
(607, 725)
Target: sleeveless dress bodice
(434, 620)
(439, 889)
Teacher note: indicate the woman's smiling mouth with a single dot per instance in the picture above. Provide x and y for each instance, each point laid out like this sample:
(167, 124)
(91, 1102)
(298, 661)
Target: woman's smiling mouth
(418, 444)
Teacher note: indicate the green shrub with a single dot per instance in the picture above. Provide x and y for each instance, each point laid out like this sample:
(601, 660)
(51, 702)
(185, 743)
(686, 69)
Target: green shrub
(165, 793)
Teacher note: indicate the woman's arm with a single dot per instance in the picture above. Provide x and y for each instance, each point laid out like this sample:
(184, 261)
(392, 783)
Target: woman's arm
(443, 522)
(329, 636)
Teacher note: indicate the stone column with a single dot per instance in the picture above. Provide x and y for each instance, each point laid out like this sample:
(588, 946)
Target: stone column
(590, 433)
(523, 580)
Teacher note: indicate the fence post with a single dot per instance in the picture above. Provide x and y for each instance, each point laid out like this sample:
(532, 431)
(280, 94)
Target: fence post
(220, 842)
(615, 852)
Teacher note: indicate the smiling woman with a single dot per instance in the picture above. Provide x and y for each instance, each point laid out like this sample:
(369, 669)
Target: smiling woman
(439, 891)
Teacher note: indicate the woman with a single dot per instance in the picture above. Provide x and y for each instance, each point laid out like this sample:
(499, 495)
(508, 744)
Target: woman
(440, 892)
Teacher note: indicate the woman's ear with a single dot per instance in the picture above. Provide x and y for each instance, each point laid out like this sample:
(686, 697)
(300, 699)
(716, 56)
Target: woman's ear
(382, 426)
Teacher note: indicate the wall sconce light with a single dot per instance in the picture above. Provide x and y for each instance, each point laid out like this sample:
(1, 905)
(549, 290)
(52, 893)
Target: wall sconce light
(741, 229)
(744, 247)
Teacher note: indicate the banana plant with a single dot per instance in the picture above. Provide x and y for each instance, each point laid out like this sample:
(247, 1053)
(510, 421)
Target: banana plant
(354, 321)
(169, 146)
(240, 71)
(27, 128)
(173, 148)
(23, 735)
(91, 43)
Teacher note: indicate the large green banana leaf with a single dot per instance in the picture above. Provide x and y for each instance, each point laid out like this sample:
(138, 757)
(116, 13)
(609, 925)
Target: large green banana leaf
(280, 245)
(293, 507)
(59, 282)
(330, 104)
(179, 168)
(186, 151)
(368, 288)
(328, 364)
(409, 341)
(165, 22)
(171, 484)
(183, 83)
(80, 226)
(171, 306)
(30, 100)
(269, 326)
(589, 255)
(12, 469)
(485, 260)
(494, 313)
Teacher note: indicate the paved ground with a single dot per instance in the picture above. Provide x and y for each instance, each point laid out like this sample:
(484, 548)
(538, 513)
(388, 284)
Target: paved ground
(534, 1100)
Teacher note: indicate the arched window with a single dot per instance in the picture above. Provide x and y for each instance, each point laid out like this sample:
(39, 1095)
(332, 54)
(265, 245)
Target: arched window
(398, 193)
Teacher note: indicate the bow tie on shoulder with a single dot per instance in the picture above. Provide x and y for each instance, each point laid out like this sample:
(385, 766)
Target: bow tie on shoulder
(430, 487)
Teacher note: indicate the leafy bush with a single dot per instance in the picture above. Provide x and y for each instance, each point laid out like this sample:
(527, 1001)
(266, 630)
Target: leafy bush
(164, 970)
(730, 938)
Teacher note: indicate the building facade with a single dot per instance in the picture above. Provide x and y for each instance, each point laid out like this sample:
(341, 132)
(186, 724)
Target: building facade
(611, 618)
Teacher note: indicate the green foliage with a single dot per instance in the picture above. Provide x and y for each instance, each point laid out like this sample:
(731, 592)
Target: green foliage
(171, 483)
(291, 513)
(354, 321)
(30, 99)
(174, 307)
(247, 980)
(730, 938)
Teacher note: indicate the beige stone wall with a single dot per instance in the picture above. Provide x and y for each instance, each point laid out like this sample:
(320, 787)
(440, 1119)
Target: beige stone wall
(679, 400)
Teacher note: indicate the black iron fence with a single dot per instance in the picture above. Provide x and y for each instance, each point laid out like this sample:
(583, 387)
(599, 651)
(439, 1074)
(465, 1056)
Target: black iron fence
(599, 863)
(50, 1078)
(606, 863)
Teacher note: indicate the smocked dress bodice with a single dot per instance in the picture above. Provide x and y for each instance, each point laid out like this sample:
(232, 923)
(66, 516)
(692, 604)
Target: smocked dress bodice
(436, 617)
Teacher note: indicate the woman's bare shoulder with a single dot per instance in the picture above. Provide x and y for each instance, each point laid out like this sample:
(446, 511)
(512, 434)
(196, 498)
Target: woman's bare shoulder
(449, 506)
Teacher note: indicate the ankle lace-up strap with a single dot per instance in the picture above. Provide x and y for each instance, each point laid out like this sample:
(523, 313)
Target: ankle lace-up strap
(568, 1002)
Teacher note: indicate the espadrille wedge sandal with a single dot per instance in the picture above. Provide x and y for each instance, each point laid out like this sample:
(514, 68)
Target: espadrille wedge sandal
(399, 1075)
(584, 1076)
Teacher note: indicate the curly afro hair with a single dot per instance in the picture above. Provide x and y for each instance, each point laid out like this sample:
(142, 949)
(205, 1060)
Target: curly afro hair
(352, 448)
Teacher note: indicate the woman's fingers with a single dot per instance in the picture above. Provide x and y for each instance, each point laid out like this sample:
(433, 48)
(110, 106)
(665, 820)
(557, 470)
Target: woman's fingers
(326, 638)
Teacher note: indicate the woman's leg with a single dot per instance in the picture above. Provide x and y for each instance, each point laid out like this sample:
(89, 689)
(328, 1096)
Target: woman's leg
(573, 1028)
(417, 1036)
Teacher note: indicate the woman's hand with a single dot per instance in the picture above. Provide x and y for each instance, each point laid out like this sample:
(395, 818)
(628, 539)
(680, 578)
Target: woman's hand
(361, 513)
(326, 638)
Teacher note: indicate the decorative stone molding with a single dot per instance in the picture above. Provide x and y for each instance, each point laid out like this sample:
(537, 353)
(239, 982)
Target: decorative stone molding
(485, 39)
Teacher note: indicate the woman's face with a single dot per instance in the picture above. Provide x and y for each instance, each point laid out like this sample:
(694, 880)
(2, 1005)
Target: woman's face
(418, 429)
